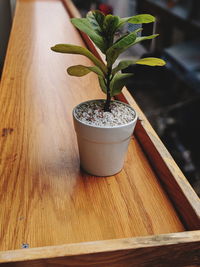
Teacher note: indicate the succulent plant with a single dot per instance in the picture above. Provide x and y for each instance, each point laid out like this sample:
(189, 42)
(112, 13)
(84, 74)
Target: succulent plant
(103, 30)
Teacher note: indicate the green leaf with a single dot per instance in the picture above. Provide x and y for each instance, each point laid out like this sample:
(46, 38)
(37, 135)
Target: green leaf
(142, 18)
(122, 36)
(102, 84)
(110, 24)
(122, 21)
(109, 29)
(151, 61)
(74, 49)
(84, 25)
(119, 47)
(96, 70)
(80, 70)
(143, 38)
(122, 65)
(136, 31)
(118, 82)
(96, 19)
(138, 19)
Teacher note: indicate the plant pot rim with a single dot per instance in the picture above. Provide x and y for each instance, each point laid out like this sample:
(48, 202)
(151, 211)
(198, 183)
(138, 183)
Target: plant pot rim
(104, 127)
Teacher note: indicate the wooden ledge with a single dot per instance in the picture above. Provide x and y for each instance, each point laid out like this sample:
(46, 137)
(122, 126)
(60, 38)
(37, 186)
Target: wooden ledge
(46, 200)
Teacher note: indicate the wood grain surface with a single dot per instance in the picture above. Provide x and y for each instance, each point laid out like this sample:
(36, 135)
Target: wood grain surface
(45, 198)
(168, 250)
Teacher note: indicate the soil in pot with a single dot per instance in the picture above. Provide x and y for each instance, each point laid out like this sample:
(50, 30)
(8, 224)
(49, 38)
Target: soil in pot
(92, 113)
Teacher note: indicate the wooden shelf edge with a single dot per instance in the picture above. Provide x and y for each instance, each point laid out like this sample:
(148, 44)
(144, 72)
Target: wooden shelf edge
(180, 248)
(179, 190)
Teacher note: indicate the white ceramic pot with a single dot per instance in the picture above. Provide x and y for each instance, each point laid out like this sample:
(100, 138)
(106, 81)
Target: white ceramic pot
(102, 149)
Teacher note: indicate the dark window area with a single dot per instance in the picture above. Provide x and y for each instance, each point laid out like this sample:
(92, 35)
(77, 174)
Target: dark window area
(170, 96)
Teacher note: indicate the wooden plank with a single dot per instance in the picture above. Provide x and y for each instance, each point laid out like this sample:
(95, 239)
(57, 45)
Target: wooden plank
(47, 200)
(179, 249)
(135, 193)
(179, 190)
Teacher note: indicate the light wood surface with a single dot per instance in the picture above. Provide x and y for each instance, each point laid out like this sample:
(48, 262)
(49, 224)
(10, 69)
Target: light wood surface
(179, 249)
(46, 199)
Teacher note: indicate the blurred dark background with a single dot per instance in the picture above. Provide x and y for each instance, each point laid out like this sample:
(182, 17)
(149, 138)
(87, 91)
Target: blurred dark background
(170, 95)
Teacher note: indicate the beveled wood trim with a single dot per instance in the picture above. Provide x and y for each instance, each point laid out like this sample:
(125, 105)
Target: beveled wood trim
(181, 193)
(179, 190)
(71, 8)
(178, 249)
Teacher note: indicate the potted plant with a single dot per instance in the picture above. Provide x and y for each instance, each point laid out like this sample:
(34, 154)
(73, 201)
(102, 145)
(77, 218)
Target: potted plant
(104, 127)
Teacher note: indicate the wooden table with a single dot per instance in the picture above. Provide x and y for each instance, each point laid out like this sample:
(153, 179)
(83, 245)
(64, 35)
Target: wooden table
(46, 200)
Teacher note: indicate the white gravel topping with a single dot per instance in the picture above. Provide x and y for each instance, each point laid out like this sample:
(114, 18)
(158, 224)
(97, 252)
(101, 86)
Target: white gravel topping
(92, 113)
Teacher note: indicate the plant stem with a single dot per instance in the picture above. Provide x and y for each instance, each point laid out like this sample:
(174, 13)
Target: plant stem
(108, 92)
(107, 104)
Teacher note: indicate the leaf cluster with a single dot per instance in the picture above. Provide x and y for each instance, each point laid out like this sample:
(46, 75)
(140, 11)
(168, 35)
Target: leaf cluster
(102, 31)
